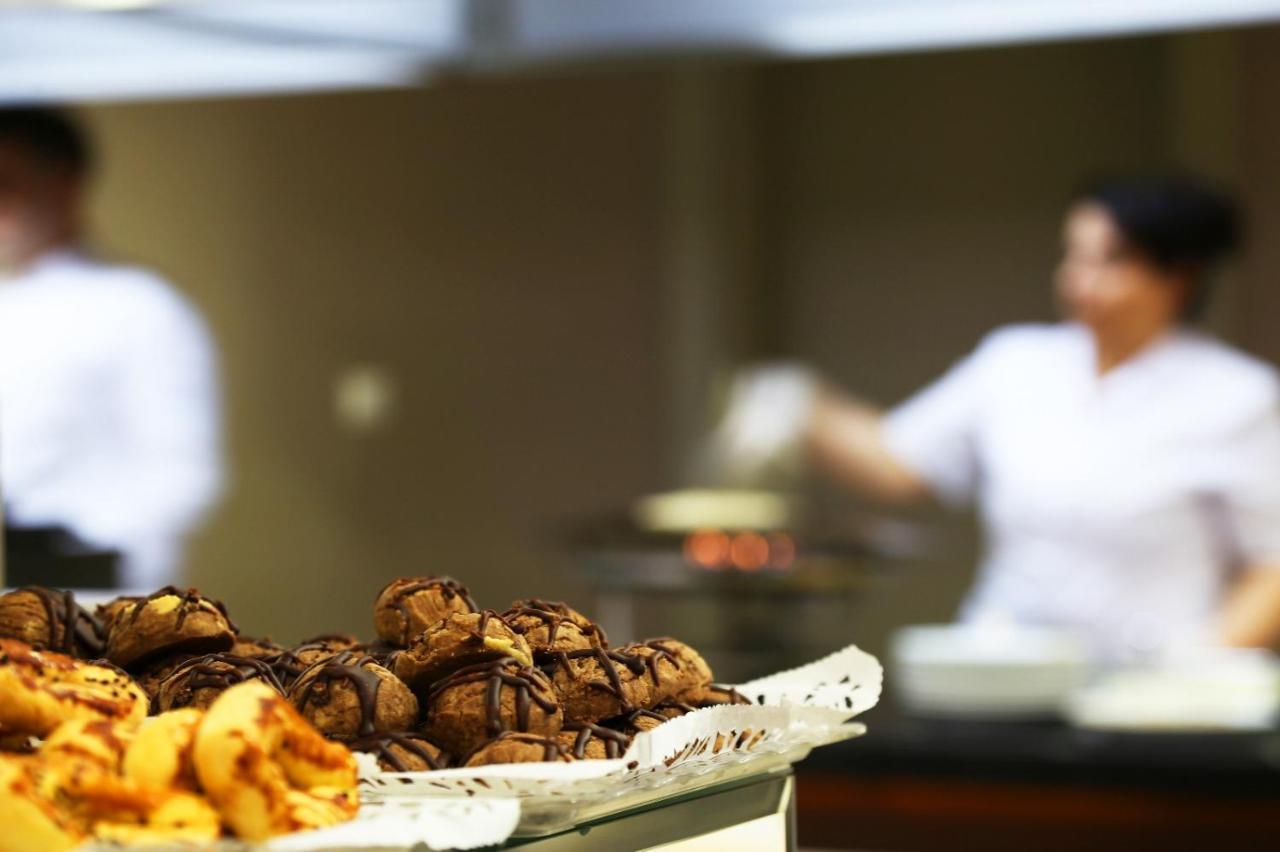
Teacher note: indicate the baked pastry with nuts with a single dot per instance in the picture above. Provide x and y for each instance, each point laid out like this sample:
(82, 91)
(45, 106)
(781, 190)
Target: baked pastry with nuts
(402, 751)
(461, 639)
(409, 605)
(349, 695)
(168, 621)
(552, 626)
(479, 702)
(515, 747)
(200, 680)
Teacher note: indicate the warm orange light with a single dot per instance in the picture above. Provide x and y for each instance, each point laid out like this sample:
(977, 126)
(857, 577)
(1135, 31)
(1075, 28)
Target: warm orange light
(782, 551)
(707, 549)
(749, 551)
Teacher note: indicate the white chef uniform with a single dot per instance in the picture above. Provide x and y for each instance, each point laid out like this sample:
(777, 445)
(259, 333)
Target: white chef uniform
(1117, 505)
(108, 409)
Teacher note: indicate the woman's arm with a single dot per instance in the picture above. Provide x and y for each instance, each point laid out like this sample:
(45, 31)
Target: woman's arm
(844, 437)
(1250, 614)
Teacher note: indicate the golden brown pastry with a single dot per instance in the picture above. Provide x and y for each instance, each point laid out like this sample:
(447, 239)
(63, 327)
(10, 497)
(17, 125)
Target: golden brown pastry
(514, 747)
(294, 661)
(198, 681)
(101, 742)
(407, 606)
(50, 620)
(476, 703)
(161, 753)
(106, 613)
(586, 741)
(462, 639)
(258, 649)
(552, 626)
(166, 622)
(30, 818)
(402, 751)
(349, 695)
(267, 770)
(40, 690)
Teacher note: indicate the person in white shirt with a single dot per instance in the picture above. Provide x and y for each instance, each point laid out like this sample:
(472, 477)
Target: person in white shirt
(109, 423)
(1126, 466)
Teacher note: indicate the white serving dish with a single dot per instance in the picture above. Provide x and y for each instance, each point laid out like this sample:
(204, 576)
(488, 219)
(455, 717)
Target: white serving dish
(985, 670)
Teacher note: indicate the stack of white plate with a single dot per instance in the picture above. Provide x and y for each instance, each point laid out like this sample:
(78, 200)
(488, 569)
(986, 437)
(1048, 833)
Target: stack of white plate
(985, 671)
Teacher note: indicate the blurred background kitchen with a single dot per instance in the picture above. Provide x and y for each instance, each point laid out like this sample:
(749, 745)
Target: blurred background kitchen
(479, 278)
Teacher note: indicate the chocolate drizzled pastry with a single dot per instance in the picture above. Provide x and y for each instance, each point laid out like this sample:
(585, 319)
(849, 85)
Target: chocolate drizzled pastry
(710, 695)
(585, 741)
(199, 681)
(107, 612)
(168, 621)
(642, 720)
(349, 695)
(407, 606)
(292, 662)
(478, 702)
(515, 747)
(258, 649)
(552, 626)
(596, 683)
(402, 751)
(51, 620)
(150, 675)
(461, 639)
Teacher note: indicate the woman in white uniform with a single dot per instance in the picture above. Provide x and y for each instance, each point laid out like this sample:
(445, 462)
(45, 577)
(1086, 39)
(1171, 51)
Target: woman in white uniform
(1125, 465)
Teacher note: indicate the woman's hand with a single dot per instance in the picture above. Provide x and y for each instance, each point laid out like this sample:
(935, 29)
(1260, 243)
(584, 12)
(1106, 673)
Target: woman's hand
(1250, 614)
(844, 437)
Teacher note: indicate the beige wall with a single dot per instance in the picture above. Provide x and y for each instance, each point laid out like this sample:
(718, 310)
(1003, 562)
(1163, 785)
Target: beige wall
(492, 244)
(503, 246)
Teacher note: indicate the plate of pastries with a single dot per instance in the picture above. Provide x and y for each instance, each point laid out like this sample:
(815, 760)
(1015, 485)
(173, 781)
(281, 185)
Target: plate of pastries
(154, 719)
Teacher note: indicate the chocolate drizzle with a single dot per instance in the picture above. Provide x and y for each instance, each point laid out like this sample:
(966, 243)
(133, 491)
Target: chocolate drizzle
(553, 614)
(289, 663)
(383, 746)
(72, 630)
(189, 601)
(610, 659)
(219, 671)
(449, 588)
(530, 685)
(615, 742)
(551, 748)
(346, 666)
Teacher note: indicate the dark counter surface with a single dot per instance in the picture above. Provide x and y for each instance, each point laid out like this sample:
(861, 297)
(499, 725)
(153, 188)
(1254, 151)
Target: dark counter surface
(1053, 752)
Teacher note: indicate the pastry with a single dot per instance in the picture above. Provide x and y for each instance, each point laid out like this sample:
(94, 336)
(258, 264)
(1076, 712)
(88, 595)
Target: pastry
(267, 770)
(587, 741)
(198, 681)
(552, 626)
(106, 613)
(100, 742)
(168, 621)
(294, 661)
(258, 649)
(462, 639)
(515, 747)
(30, 818)
(711, 695)
(160, 754)
(407, 606)
(402, 751)
(643, 720)
(476, 703)
(50, 620)
(40, 690)
(349, 695)
(153, 673)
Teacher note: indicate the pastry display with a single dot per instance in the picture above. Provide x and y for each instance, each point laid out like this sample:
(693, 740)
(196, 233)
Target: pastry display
(444, 683)
(168, 621)
(40, 690)
(402, 751)
(267, 770)
(586, 741)
(552, 626)
(349, 695)
(199, 680)
(50, 620)
(456, 641)
(479, 702)
(407, 606)
(516, 747)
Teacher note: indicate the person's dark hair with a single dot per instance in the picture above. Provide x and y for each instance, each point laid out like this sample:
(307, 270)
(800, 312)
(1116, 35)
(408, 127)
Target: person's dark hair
(1178, 222)
(49, 134)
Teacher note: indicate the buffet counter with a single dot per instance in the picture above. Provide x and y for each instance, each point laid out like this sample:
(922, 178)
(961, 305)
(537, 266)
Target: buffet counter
(920, 783)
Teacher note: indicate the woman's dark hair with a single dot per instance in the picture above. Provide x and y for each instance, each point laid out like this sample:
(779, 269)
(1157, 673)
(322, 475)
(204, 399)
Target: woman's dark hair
(48, 134)
(1178, 222)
